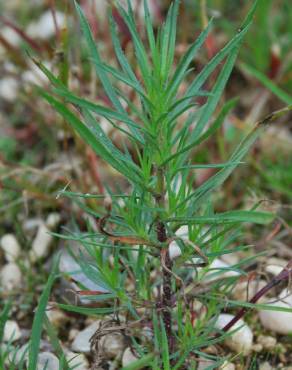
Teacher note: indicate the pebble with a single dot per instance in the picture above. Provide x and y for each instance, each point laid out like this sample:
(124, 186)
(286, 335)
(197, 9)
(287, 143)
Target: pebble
(265, 366)
(275, 265)
(41, 243)
(20, 355)
(8, 89)
(204, 364)
(10, 276)
(44, 27)
(57, 317)
(174, 249)
(11, 331)
(128, 357)
(69, 266)
(242, 339)
(267, 342)
(77, 361)
(278, 321)
(11, 36)
(245, 290)
(217, 273)
(81, 342)
(48, 361)
(227, 366)
(10, 246)
(112, 345)
(53, 220)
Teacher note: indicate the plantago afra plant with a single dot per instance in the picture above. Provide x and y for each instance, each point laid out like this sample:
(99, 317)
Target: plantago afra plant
(150, 274)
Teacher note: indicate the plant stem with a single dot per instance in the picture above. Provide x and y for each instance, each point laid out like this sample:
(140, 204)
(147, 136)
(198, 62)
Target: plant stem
(166, 300)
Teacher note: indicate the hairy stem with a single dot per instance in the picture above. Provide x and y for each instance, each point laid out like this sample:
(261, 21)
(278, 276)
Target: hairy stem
(166, 263)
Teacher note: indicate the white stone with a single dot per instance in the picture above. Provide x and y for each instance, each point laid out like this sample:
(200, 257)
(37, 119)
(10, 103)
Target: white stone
(278, 321)
(57, 317)
(204, 363)
(267, 342)
(218, 271)
(81, 342)
(48, 361)
(77, 361)
(241, 341)
(11, 331)
(44, 27)
(275, 265)
(128, 357)
(69, 266)
(53, 220)
(19, 355)
(8, 89)
(10, 247)
(112, 345)
(41, 243)
(245, 290)
(174, 249)
(265, 366)
(11, 36)
(227, 366)
(10, 276)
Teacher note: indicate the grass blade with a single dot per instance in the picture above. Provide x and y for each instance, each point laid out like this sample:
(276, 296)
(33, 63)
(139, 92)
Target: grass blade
(39, 317)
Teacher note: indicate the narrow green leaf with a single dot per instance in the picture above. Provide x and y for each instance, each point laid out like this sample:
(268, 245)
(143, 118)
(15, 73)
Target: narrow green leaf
(185, 62)
(90, 139)
(217, 91)
(110, 91)
(36, 332)
(143, 362)
(226, 217)
(87, 311)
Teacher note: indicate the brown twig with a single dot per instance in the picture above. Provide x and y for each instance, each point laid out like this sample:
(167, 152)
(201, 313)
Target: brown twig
(285, 274)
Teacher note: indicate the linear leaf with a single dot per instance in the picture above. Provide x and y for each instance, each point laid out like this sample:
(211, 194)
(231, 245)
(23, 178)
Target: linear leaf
(90, 138)
(36, 332)
(96, 57)
(226, 217)
(217, 91)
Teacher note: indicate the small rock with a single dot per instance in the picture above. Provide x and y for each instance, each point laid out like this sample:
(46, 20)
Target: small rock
(20, 355)
(69, 266)
(221, 270)
(57, 317)
(11, 331)
(82, 341)
(267, 342)
(48, 361)
(275, 265)
(10, 276)
(227, 366)
(278, 321)
(204, 363)
(44, 27)
(11, 36)
(265, 366)
(241, 340)
(112, 345)
(174, 249)
(8, 89)
(245, 290)
(10, 247)
(53, 220)
(77, 361)
(41, 243)
(128, 357)
(257, 348)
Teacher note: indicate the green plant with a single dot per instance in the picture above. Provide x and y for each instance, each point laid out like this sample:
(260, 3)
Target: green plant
(160, 131)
